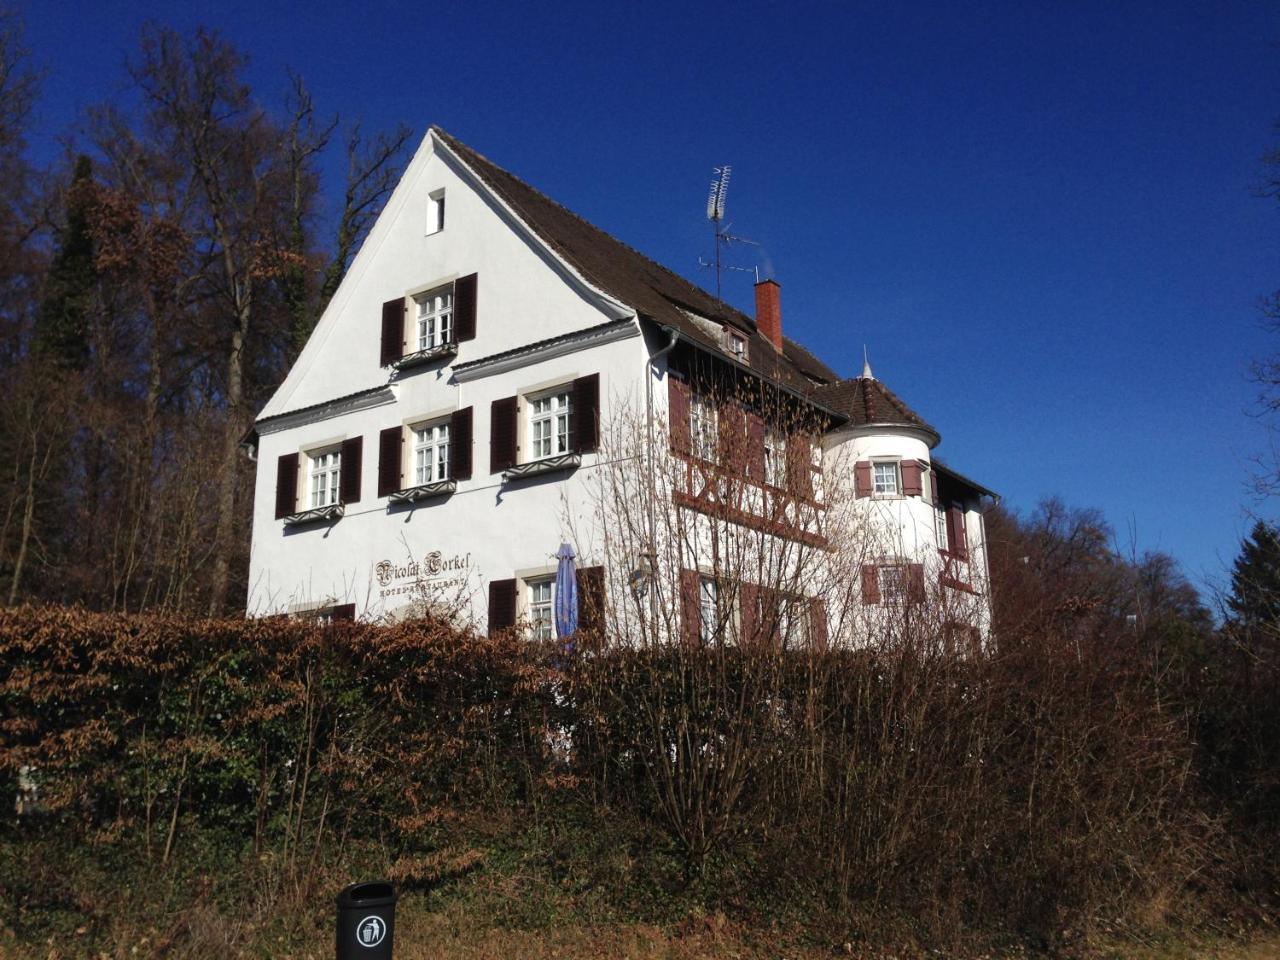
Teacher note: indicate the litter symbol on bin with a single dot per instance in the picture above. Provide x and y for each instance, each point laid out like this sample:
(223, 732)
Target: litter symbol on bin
(371, 931)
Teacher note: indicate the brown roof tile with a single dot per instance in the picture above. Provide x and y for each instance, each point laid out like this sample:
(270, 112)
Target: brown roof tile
(633, 278)
(865, 400)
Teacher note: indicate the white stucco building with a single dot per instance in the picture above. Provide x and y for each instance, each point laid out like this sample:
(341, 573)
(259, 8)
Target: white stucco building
(441, 428)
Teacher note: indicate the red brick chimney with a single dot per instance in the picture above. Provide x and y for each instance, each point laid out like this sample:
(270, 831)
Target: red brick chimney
(769, 311)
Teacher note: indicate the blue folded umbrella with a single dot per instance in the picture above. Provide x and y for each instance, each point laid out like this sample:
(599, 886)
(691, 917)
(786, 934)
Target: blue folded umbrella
(566, 598)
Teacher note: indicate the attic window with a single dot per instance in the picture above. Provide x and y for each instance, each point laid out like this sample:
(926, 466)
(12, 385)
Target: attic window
(435, 212)
(736, 344)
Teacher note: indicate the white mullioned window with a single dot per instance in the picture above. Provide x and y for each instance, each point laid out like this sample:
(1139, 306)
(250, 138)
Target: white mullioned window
(435, 318)
(940, 523)
(775, 457)
(704, 433)
(549, 425)
(430, 452)
(708, 609)
(885, 478)
(541, 594)
(793, 621)
(324, 476)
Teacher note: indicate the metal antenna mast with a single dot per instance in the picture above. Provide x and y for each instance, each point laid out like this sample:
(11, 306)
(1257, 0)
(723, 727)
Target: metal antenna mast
(720, 230)
(715, 212)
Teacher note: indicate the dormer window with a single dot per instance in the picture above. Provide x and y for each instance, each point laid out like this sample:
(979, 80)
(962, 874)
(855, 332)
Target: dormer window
(435, 212)
(736, 344)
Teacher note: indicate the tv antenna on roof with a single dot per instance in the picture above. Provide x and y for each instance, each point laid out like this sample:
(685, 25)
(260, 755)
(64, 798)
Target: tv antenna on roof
(715, 213)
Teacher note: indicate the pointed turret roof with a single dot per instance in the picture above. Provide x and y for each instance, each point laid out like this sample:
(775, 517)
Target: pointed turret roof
(867, 402)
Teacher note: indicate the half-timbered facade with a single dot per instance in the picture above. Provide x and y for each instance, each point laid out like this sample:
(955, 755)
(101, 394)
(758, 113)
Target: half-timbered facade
(443, 430)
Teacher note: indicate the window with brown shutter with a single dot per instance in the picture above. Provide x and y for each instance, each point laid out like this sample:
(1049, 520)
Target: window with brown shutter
(818, 623)
(352, 462)
(678, 402)
(502, 605)
(690, 607)
(800, 465)
(390, 461)
(502, 434)
(286, 485)
(915, 582)
(585, 408)
(464, 308)
(460, 444)
(591, 612)
(912, 483)
(862, 479)
(870, 583)
(755, 448)
(393, 312)
(956, 538)
(749, 615)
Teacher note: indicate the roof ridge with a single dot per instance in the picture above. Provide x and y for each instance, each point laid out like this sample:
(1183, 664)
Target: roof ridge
(456, 144)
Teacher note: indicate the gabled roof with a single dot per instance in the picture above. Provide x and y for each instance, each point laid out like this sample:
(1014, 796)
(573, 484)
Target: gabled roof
(865, 401)
(632, 278)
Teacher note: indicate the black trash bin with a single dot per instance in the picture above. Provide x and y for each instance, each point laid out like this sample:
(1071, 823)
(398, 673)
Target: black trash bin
(366, 921)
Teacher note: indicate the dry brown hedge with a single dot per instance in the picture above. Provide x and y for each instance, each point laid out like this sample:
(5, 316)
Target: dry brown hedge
(1036, 790)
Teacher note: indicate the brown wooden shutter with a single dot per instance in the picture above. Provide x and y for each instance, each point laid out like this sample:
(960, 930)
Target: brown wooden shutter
(591, 621)
(502, 605)
(390, 461)
(818, 623)
(585, 407)
(799, 465)
(502, 434)
(690, 609)
(464, 308)
(755, 447)
(342, 611)
(870, 583)
(915, 582)
(286, 485)
(912, 483)
(749, 596)
(956, 537)
(393, 312)
(460, 444)
(350, 470)
(678, 401)
(862, 479)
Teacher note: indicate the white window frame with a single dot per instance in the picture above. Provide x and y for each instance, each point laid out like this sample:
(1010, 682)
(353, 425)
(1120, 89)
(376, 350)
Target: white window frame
(324, 476)
(553, 409)
(435, 211)
(434, 319)
(540, 603)
(708, 608)
(431, 438)
(940, 526)
(704, 427)
(876, 490)
(775, 457)
(792, 619)
(736, 344)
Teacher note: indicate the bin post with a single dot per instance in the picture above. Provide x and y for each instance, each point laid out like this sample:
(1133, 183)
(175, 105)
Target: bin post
(366, 921)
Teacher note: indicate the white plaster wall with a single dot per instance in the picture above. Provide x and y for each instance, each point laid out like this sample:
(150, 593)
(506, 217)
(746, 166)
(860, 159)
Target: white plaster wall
(523, 294)
(500, 528)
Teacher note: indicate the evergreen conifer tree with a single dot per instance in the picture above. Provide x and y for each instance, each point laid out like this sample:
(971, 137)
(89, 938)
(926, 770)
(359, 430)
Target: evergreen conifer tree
(1255, 579)
(62, 325)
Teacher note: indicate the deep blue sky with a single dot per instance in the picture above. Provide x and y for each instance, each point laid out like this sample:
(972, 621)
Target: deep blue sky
(1041, 218)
